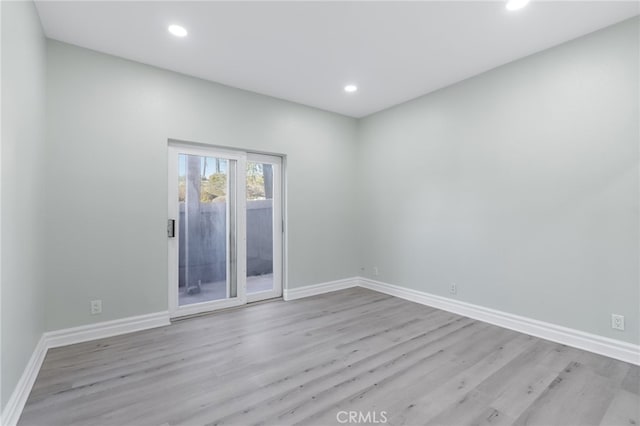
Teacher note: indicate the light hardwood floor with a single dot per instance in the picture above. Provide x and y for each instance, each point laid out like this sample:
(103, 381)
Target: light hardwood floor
(305, 361)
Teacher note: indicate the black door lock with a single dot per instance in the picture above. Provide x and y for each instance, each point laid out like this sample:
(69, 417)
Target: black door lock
(171, 228)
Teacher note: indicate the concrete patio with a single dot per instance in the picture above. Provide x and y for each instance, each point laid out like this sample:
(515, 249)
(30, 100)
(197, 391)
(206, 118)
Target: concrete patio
(218, 290)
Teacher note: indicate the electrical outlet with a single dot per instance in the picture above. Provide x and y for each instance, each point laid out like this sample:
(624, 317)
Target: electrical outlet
(617, 322)
(453, 288)
(96, 307)
(375, 271)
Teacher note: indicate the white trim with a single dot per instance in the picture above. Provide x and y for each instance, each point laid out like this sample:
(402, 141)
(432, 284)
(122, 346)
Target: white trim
(100, 330)
(314, 289)
(567, 336)
(255, 157)
(207, 306)
(173, 213)
(285, 224)
(205, 150)
(53, 339)
(13, 409)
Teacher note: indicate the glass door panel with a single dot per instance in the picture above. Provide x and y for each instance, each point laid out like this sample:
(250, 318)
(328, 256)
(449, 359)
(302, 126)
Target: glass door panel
(259, 227)
(264, 227)
(204, 265)
(206, 194)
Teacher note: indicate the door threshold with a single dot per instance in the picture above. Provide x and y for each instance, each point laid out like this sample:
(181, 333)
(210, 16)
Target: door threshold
(231, 308)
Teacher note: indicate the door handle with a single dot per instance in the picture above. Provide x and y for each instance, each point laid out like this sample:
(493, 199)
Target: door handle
(171, 228)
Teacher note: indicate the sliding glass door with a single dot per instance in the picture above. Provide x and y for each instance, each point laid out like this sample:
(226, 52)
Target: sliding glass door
(224, 228)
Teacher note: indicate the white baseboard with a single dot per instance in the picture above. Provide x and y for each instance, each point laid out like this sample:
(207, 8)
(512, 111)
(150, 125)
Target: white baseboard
(53, 339)
(85, 333)
(567, 336)
(312, 290)
(13, 409)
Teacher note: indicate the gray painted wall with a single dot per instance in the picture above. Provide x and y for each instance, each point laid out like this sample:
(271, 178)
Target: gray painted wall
(23, 183)
(519, 185)
(109, 120)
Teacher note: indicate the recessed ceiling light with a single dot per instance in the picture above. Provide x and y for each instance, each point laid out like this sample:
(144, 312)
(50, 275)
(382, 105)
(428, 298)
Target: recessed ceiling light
(350, 88)
(516, 4)
(177, 30)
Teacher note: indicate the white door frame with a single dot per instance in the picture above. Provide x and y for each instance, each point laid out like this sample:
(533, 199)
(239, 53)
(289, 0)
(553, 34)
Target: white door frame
(278, 219)
(176, 148)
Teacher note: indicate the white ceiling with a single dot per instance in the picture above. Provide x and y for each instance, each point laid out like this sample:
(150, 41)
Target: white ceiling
(307, 52)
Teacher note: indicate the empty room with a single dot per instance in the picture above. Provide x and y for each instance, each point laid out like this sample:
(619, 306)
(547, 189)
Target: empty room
(320, 213)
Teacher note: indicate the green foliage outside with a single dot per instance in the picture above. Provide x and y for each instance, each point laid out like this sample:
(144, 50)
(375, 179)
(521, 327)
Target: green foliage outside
(214, 188)
(255, 182)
